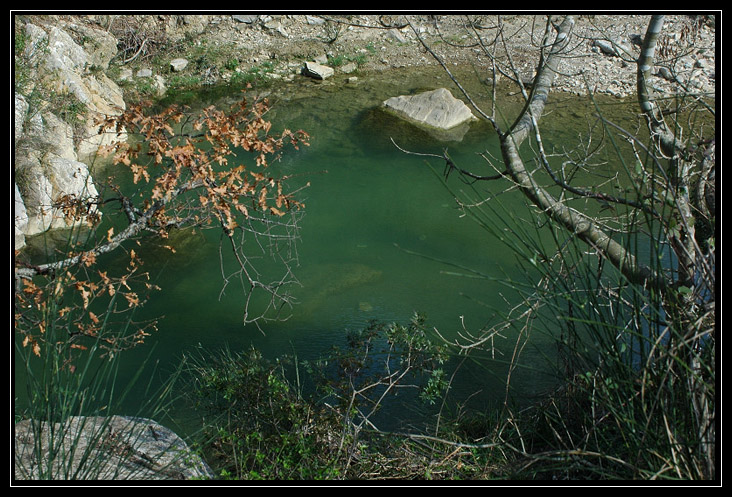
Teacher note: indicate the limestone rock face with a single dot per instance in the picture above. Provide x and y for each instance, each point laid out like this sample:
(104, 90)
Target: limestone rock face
(100, 448)
(46, 169)
(50, 151)
(436, 108)
(21, 219)
(71, 68)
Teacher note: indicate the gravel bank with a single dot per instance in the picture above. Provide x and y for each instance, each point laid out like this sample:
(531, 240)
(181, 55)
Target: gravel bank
(601, 59)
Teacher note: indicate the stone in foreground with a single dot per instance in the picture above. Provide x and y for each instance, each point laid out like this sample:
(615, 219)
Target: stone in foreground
(99, 448)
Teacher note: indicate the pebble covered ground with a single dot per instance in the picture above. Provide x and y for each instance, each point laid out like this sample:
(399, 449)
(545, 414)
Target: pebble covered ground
(601, 57)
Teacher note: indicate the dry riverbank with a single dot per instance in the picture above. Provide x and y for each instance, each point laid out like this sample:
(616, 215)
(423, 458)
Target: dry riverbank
(601, 57)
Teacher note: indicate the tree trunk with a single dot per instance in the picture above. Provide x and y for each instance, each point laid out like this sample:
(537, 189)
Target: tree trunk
(576, 222)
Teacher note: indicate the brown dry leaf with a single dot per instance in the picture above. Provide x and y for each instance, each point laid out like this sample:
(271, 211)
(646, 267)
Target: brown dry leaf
(88, 258)
(85, 294)
(93, 317)
(132, 299)
(263, 198)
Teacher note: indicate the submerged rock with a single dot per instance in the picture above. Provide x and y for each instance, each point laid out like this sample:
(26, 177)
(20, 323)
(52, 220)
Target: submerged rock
(365, 307)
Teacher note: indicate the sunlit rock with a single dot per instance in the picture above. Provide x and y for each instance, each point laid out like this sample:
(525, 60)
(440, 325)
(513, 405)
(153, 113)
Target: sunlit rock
(317, 71)
(437, 111)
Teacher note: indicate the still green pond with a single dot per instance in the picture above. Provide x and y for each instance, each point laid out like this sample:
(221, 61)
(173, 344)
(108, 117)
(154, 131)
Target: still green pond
(382, 236)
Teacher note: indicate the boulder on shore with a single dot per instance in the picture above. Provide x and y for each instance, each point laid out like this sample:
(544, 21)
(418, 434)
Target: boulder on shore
(435, 110)
(317, 71)
(101, 448)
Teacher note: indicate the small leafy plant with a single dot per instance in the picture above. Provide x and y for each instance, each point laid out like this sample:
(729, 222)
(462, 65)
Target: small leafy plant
(266, 427)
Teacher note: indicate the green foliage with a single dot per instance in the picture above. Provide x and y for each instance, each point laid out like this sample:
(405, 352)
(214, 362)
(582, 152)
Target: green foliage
(256, 75)
(232, 64)
(261, 425)
(340, 60)
(378, 360)
(22, 64)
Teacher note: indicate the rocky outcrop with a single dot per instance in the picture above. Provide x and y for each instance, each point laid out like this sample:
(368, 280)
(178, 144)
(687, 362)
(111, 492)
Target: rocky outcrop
(64, 92)
(437, 111)
(101, 448)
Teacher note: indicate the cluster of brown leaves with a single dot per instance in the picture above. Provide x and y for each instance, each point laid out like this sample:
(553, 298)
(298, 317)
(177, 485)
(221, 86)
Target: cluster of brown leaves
(187, 153)
(65, 302)
(187, 169)
(76, 208)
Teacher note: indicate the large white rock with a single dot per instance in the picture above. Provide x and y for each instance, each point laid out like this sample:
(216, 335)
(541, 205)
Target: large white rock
(69, 67)
(51, 151)
(114, 448)
(436, 109)
(42, 186)
(21, 109)
(36, 194)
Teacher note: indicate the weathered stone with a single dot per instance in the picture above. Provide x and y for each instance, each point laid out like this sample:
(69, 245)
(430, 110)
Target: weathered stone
(47, 167)
(433, 110)
(159, 85)
(104, 448)
(125, 74)
(21, 110)
(397, 36)
(99, 45)
(55, 137)
(665, 73)
(275, 25)
(20, 220)
(37, 193)
(314, 21)
(70, 177)
(246, 19)
(613, 48)
(349, 68)
(63, 53)
(69, 64)
(178, 65)
(317, 71)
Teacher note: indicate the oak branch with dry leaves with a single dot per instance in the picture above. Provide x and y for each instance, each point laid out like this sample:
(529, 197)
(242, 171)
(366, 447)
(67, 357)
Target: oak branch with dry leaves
(207, 169)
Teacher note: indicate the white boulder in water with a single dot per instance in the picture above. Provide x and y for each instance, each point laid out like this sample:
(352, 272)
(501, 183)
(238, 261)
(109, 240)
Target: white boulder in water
(435, 109)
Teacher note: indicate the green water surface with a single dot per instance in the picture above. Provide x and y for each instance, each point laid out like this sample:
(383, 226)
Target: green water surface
(376, 225)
